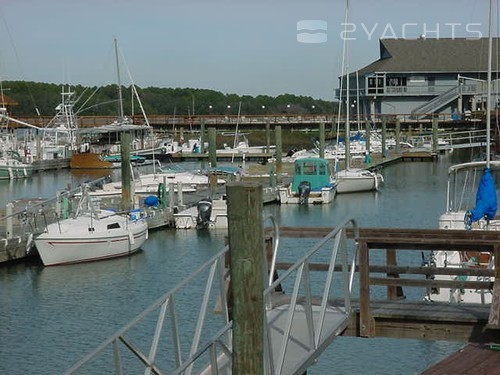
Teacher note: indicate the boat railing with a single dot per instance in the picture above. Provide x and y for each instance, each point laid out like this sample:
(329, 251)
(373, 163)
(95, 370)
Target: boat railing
(24, 219)
(168, 349)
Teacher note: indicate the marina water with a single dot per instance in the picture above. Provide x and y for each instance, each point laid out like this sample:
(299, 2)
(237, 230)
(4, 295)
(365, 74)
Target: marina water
(50, 317)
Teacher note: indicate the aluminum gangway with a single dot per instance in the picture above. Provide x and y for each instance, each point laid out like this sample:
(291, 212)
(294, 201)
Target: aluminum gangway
(304, 312)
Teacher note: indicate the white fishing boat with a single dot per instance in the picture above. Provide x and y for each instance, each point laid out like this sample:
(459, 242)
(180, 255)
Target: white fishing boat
(92, 234)
(12, 167)
(206, 214)
(469, 185)
(312, 183)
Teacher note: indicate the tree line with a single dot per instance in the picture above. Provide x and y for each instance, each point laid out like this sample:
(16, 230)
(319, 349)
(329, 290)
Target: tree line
(34, 98)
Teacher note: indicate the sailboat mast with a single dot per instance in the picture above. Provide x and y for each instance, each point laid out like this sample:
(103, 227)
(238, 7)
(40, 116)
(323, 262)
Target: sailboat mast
(347, 141)
(488, 97)
(120, 98)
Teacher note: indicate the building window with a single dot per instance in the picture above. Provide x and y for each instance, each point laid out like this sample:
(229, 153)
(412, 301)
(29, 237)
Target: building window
(376, 85)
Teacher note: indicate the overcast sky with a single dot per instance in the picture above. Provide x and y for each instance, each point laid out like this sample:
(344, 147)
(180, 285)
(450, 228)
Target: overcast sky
(234, 46)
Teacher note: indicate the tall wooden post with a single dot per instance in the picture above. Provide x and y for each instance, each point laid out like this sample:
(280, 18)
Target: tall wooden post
(9, 223)
(494, 318)
(202, 142)
(126, 202)
(279, 153)
(246, 244)
(397, 135)
(435, 134)
(268, 136)
(368, 129)
(322, 140)
(212, 147)
(384, 137)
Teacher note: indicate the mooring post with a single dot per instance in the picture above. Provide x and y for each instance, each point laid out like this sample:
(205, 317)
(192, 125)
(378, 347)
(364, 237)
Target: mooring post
(246, 244)
(397, 135)
(279, 153)
(180, 196)
(366, 326)
(171, 194)
(126, 202)
(494, 318)
(384, 137)
(212, 147)
(322, 140)
(368, 129)
(202, 142)
(268, 136)
(434, 134)
(9, 225)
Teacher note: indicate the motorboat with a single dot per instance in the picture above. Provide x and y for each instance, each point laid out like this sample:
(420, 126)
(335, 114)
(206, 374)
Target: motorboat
(92, 234)
(206, 214)
(312, 183)
(12, 167)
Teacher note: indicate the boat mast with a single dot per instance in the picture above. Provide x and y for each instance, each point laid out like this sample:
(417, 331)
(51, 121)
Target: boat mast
(347, 142)
(488, 80)
(120, 98)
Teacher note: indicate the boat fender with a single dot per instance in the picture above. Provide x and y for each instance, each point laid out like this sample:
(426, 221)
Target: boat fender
(131, 238)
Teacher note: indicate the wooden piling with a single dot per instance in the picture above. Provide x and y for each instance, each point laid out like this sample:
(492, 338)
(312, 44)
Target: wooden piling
(434, 134)
(368, 129)
(202, 142)
(246, 244)
(397, 135)
(384, 137)
(322, 140)
(279, 153)
(126, 202)
(268, 136)
(212, 147)
(494, 317)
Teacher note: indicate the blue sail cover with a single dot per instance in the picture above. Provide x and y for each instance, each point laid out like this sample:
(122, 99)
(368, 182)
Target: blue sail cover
(486, 198)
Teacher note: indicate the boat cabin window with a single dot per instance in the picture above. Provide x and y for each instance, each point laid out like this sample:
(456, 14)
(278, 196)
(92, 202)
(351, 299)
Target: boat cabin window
(309, 169)
(322, 170)
(114, 226)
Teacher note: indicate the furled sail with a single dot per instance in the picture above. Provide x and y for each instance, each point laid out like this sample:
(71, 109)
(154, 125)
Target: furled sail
(486, 200)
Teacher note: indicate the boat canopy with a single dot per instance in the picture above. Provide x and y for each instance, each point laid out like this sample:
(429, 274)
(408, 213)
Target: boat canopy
(316, 171)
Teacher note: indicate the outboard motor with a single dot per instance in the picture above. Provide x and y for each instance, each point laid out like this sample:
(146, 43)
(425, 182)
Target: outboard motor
(204, 207)
(304, 190)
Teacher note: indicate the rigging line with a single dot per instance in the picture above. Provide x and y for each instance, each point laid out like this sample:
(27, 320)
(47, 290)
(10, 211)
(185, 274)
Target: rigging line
(81, 109)
(11, 40)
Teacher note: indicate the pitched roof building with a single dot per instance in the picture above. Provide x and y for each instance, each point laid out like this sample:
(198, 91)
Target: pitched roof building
(424, 76)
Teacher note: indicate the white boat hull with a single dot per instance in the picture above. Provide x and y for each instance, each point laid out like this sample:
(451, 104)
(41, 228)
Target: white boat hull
(186, 219)
(325, 196)
(357, 180)
(76, 242)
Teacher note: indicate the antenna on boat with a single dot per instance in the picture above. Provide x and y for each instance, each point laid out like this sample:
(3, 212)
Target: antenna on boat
(120, 98)
(488, 80)
(236, 132)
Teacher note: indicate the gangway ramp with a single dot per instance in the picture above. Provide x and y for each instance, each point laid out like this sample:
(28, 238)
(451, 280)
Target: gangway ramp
(300, 316)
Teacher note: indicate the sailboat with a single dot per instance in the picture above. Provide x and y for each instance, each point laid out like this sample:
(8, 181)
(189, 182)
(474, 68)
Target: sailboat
(93, 157)
(350, 180)
(473, 181)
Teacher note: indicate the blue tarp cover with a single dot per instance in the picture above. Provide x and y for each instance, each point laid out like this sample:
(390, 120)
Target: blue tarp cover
(486, 198)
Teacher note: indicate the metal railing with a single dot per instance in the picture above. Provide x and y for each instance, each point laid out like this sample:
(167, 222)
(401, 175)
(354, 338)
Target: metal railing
(214, 355)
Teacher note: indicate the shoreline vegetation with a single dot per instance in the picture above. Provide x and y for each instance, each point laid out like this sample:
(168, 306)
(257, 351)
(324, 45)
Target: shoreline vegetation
(32, 98)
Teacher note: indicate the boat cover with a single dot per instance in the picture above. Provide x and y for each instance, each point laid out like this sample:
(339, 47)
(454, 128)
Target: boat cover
(486, 199)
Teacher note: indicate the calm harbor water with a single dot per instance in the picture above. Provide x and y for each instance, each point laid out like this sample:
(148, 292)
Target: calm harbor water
(50, 317)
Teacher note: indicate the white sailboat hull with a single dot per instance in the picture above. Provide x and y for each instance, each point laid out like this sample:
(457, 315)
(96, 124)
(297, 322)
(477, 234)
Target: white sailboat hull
(84, 239)
(357, 180)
